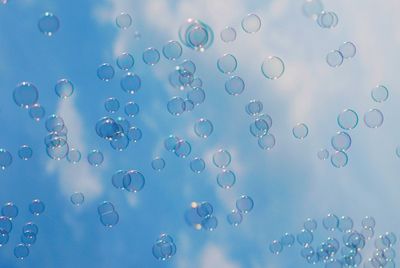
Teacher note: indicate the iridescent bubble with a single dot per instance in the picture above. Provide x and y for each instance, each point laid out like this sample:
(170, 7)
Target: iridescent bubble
(105, 72)
(203, 128)
(5, 159)
(25, 95)
(323, 154)
(254, 107)
(339, 159)
(380, 93)
(131, 83)
(275, 247)
(300, 131)
(347, 119)
(234, 86)
(267, 142)
(133, 181)
(77, 198)
(196, 95)
(221, 158)
(310, 225)
(95, 158)
(176, 106)
(5, 224)
(348, 50)
(183, 149)
(123, 21)
(37, 207)
(341, 141)
(125, 61)
(9, 210)
(48, 24)
(209, 223)
(25, 152)
(330, 222)
(131, 109)
(64, 88)
(234, 218)
(226, 179)
(251, 23)
(312, 8)
(245, 204)
(305, 237)
(273, 67)
(373, 118)
(109, 219)
(37, 112)
(158, 164)
(227, 64)
(197, 165)
(228, 34)
(135, 134)
(287, 240)
(334, 58)
(172, 50)
(21, 251)
(151, 56)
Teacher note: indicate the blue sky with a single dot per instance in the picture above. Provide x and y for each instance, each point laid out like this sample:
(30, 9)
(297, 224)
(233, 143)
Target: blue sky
(288, 184)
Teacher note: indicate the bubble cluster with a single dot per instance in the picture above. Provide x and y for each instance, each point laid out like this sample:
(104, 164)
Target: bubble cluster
(131, 180)
(196, 35)
(164, 248)
(200, 216)
(180, 147)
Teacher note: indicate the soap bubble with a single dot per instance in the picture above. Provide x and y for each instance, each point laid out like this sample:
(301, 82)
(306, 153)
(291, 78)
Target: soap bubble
(172, 50)
(48, 24)
(228, 34)
(196, 35)
(105, 72)
(273, 67)
(123, 21)
(251, 23)
(64, 88)
(234, 218)
(203, 128)
(334, 58)
(25, 95)
(5, 159)
(125, 61)
(380, 93)
(25, 152)
(151, 56)
(77, 198)
(373, 118)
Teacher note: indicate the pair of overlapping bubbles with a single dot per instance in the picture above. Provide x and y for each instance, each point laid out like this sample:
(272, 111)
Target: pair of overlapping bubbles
(335, 58)
(196, 35)
(56, 143)
(314, 9)
(200, 216)
(131, 180)
(109, 217)
(26, 95)
(164, 247)
(244, 205)
(178, 146)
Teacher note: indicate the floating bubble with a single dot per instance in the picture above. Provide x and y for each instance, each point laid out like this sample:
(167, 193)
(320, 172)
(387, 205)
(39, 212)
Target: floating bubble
(109, 219)
(196, 35)
(151, 56)
(5, 224)
(234, 218)
(348, 50)
(123, 123)
(197, 165)
(192, 218)
(228, 34)
(227, 64)
(77, 198)
(183, 149)
(334, 58)
(57, 148)
(172, 50)
(48, 24)
(275, 247)
(28, 238)
(267, 142)
(380, 93)
(105, 207)
(234, 86)
(37, 112)
(339, 159)
(171, 142)
(305, 237)
(347, 119)
(133, 181)
(188, 66)
(368, 222)
(176, 106)
(36, 207)
(196, 83)
(287, 240)
(131, 83)
(125, 61)
(131, 109)
(300, 131)
(120, 141)
(312, 8)
(330, 222)
(251, 23)
(105, 72)
(189, 106)
(158, 164)
(123, 21)
(345, 224)
(164, 248)
(9, 210)
(31, 228)
(117, 179)
(5, 159)
(368, 233)
(221, 158)
(135, 134)
(341, 141)
(54, 123)
(203, 128)
(327, 20)
(323, 154)
(21, 251)
(64, 88)
(204, 209)
(266, 118)
(95, 158)
(373, 118)
(4, 237)
(74, 156)
(25, 95)
(273, 67)
(226, 179)
(196, 95)
(254, 107)
(25, 152)
(209, 223)
(245, 204)
(107, 128)
(111, 105)
(310, 225)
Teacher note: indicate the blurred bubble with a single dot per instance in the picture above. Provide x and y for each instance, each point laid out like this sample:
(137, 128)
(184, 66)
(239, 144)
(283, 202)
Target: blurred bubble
(107, 128)
(339, 159)
(305, 237)
(21, 251)
(228, 34)
(300, 131)
(196, 83)
(158, 164)
(196, 35)
(170, 143)
(254, 107)
(28, 238)
(123, 21)
(251, 23)
(125, 61)
(327, 20)
(4, 237)
(323, 154)
(25, 95)
(31, 228)
(203, 128)
(234, 218)
(25, 152)
(226, 179)
(275, 247)
(345, 224)
(109, 219)
(330, 222)
(54, 123)
(176, 106)
(48, 24)
(64, 88)
(117, 179)
(172, 50)
(347, 119)
(245, 204)
(287, 240)
(312, 8)
(234, 86)
(209, 223)
(189, 106)
(368, 232)
(5, 159)
(348, 50)
(182, 149)
(105, 207)
(5, 224)
(368, 222)
(95, 158)
(197, 165)
(227, 64)
(111, 105)
(334, 58)
(164, 248)
(105, 72)
(221, 158)
(77, 198)
(380, 93)
(196, 95)
(373, 118)
(124, 125)
(133, 181)
(9, 210)
(204, 209)
(310, 225)
(151, 56)
(341, 141)
(36, 207)
(37, 112)
(131, 83)
(273, 67)
(267, 142)
(131, 109)
(135, 134)
(120, 141)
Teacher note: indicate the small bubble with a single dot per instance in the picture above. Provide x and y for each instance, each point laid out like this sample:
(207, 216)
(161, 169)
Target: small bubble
(48, 24)
(123, 21)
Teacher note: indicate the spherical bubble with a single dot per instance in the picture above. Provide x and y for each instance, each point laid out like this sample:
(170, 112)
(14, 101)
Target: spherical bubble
(226, 179)
(368, 222)
(176, 106)
(327, 19)
(107, 128)
(334, 58)
(382, 242)
(151, 56)
(234, 218)
(373, 118)
(125, 61)
(323, 154)
(135, 134)
(251, 23)
(4, 237)
(312, 8)
(273, 67)
(203, 128)
(245, 204)
(133, 181)
(196, 95)
(48, 24)
(197, 165)
(9, 210)
(74, 156)
(348, 50)
(339, 159)
(171, 142)
(105, 207)
(131, 109)
(111, 105)
(341, 141)
(183, 149)
(227, 64)
(354, 240)
(380, 93)
(275, 247)
(54, 123)
(181, 79)
(287, 240)
(58, 148)
(221, 158)
(234, 86)
(31, 228)
(105, 72)
(330, 222)
(158, 164)
(123, 21)
(266, 118)
(54, 139)
(28, 238)
(347, 119)
(25, 152)
(131, 83)
(196, 35)
(300, 131)
(117, 179)
(204, 209)
(310, 225)
(267, 142)
(36, 207)
(163, 250)
(305, 237)
(389, 253)
(172, 50)
(120, 141)
(188, 66)
(109, 219)
(5, 224)
(25, 95)
(95, 158)
(37, 112)
(209, 223)
(254, 107)
(392, 238)
(345, 224)
(64, 88)
(21, 251)
(228, 34)
(77, 198)
(189, 105)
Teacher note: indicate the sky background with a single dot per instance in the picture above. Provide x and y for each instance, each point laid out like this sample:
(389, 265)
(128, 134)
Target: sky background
(288, 184)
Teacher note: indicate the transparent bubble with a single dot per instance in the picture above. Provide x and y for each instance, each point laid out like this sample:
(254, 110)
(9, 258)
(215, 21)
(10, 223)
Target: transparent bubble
(9, 210)
(176, 106)
(228, 34)
(305, 237)
(111, 105)
(266, 118)
(109, 219)
(197, 82)
(196, 35)
(105, 72)
(204, 209)
(95, 158)
(21, 251)
(5, 159)
(251, 23)
(158, 164)
(323, 154)
(327, 19)
(330, 222)
(5, 224)
(234, 85)
(221, 158)
(245, 204)
(234, 218)
(341, 141)
(171, 142)
(226, 179)
(163, 249)
(197, 165)
(64, 88)
(105, 207)
(28, 238)
(368, 233)
(172, 50)
(347, 119)
(203, 128)
(131, 83)
(196, 95)
(131, 109)
(117, 179)
(48, 24)
(183, 149)
(125, 61)
(4, 237)
(368, 222)
(227, 64)
(123, 21)
(275, 247)
(77, 198)
(189, 106)
(392, 239)
(107, 128)
(133, 181)
(345, 224)
(267, 142)
(124, 124)
(310, 225)
(209, 223)
(36, 207)
(348, 50)
(151, 56)
(287, 240)
(254, 107)
(31, 228)
(120, 141)
(188, 66)
(25, 152)
(373, 118)
(273, 67)
(300, 131)
(25, 95)
(339, 159)
(135, 134)
(54, 123)
(312, 8)
(380, 93)
(334, 58)
(37, 112)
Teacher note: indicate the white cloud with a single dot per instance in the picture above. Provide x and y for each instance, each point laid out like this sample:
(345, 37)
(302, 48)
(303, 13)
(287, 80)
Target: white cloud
(214, 256)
